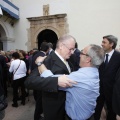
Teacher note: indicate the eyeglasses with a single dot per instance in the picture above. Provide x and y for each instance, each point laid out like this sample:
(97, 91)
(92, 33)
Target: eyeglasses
(70, 49)
(81, 52)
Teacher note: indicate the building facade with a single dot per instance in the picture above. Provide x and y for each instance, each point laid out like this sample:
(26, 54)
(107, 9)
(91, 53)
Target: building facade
(26, 24)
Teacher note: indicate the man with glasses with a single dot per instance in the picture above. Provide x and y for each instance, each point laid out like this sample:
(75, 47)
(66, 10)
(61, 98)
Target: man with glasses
(81, 98)
(58, 62)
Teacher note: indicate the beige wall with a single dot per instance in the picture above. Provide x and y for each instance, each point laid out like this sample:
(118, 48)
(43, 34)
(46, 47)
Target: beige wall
(88, 20)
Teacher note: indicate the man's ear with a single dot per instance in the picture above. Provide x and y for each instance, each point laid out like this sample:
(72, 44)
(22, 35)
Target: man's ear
(88, 59)
(60, 46)
(111, 44)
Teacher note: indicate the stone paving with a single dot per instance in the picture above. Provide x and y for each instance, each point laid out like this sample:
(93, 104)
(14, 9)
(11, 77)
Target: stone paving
(21, 112)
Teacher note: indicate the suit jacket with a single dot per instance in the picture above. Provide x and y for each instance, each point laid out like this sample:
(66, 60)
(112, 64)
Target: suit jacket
(75, 59)
(35, 82)
(53, 100)
(116, 94)
(108, 74)
(54, 103)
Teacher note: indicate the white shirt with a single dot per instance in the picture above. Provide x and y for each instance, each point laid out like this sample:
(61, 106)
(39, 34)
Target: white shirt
(64, 61)
(21, 71)
(109, 55)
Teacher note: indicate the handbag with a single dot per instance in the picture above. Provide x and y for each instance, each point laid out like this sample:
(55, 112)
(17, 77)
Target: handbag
(3, 102)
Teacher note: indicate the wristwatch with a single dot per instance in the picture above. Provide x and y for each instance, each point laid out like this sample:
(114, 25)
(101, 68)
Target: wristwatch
(39, 63)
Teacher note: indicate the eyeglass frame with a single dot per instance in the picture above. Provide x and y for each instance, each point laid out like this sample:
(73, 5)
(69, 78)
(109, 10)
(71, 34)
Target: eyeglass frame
(70, 49)
(81, 52)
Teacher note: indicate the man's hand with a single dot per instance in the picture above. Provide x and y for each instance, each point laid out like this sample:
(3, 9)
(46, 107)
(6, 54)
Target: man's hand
(40, 59)
(64, 81)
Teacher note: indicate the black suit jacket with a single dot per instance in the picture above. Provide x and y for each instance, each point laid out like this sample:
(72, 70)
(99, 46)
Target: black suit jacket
(53, 100)
(35, 82)
(108, 74)
(116, 94)
(54, 103)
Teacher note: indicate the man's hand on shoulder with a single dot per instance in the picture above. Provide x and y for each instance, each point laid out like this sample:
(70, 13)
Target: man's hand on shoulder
(40, 59)
(64, 81)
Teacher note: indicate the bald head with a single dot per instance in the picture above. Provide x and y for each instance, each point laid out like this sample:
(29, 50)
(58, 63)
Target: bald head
(65, 46)
(65, 39)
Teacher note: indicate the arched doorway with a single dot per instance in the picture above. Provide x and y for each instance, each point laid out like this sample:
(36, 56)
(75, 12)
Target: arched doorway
(55, 25)
(47, 35)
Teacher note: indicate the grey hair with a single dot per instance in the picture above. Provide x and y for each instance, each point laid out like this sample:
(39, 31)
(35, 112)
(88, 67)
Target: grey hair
(111, 39)
(97, 55)
(63, 39)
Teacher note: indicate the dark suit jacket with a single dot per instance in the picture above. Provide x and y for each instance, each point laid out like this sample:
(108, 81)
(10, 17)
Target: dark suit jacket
(108, 74)
(75, 59)
(35, 82)
(116, 94)
(53, 100)
(54, 103)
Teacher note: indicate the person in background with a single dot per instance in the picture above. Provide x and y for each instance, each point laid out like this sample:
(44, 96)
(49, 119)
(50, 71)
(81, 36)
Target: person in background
(116, 96)
(4, 66)
(50, 48)
(38, 114)
(18, 68)
(75, 57)
(35, 50)
(2, 112)
(108, 71)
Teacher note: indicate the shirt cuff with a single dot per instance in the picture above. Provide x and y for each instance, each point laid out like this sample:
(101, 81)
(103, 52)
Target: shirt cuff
(46, 73)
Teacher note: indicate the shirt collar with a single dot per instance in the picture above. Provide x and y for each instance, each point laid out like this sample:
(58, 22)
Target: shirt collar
(59, 56)
(111, 52)
(43, 52)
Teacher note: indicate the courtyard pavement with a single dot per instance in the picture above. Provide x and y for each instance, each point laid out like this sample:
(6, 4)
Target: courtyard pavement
(21, 112)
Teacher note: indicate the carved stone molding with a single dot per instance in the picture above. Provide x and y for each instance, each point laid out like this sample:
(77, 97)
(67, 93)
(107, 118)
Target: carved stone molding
(56, 23)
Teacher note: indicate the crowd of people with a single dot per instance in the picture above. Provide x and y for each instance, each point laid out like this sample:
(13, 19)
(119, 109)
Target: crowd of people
(67, 84)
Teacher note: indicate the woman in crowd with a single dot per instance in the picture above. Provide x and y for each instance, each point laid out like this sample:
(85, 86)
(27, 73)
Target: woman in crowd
(18, 68)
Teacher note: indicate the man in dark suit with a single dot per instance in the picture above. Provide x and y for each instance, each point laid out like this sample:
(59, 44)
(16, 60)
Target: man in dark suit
(44, 48)
(2, 112)
(54, 102)
(75, 57)
(116, 96)
(107, 72)
(50, 48)
(5, 72)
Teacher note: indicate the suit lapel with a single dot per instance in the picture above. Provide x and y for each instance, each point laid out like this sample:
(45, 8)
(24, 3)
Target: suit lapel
(59, 62)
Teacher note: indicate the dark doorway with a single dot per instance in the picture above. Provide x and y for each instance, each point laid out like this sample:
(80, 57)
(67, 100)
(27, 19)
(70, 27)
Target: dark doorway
(47, 36)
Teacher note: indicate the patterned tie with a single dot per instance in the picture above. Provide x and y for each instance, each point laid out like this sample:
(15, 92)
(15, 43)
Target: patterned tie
(106, 60)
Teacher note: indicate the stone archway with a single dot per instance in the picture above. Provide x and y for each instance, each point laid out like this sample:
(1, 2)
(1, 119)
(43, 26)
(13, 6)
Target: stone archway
(56, 23)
